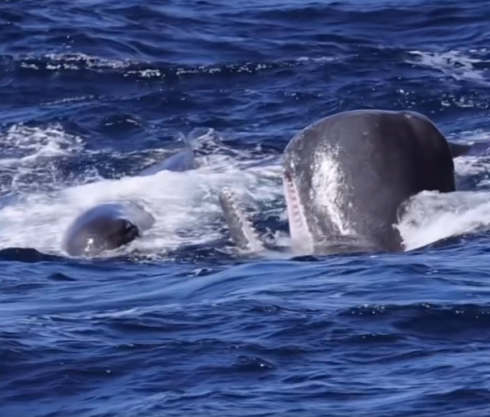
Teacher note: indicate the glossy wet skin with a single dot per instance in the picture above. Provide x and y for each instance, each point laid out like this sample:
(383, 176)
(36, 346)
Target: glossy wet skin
(92, 241)
(348, 175)
(105, 227)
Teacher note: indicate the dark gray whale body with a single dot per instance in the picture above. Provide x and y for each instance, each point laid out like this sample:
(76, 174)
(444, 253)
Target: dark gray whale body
(110, 225)
(347, 176)
(106, 226)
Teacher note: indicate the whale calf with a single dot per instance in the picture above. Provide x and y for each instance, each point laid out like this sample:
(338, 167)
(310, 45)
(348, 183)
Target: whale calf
(106, 226)
(110, 225)
(347, 176)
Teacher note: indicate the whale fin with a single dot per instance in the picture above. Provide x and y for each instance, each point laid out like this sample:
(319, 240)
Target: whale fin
(301, 235)
(242, 233)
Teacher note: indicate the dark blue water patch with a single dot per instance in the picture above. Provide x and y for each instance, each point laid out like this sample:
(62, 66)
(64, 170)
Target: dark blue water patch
(438, 322)
(230, 31)
(176, 104)
(308, 359)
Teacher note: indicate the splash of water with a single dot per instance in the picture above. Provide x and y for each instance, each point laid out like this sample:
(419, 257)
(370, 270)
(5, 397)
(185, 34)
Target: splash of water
(186, 205)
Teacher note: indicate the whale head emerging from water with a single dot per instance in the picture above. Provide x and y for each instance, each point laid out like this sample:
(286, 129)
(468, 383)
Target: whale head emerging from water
(347, 175)
(105, 227)
(347, 178)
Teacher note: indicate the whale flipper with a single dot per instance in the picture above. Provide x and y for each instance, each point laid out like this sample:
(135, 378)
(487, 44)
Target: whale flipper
(241, 230)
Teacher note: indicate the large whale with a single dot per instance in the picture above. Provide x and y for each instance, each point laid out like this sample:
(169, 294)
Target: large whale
(347, 176)
(110, 225)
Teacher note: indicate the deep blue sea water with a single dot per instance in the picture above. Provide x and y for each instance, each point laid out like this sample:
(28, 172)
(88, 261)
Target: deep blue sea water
(178, 323)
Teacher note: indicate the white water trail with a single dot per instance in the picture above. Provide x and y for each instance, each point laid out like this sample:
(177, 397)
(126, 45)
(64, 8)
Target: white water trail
(186, 205)
(432, 216)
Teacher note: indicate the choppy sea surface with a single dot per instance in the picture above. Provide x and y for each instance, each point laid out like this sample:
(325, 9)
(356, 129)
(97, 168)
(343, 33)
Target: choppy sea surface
(179, 323)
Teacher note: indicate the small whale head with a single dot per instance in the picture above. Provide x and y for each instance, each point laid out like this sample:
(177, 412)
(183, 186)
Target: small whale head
(106, 234)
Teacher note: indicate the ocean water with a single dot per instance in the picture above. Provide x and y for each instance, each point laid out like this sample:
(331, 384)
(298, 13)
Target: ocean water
(179, 323)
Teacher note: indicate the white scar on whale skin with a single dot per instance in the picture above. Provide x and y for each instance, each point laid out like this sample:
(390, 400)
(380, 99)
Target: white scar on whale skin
(328, 189)
(301, 237)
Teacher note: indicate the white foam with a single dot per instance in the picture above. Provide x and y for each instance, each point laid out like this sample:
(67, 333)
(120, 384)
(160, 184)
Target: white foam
(31, 143)
(469, 166)
(432, 216)
(185, 206)
(456, 64)
(321, 59)
(77, 60)
(471, 136)
(28, 154)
